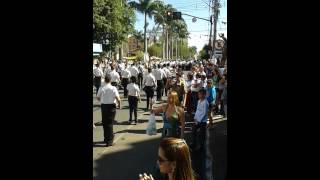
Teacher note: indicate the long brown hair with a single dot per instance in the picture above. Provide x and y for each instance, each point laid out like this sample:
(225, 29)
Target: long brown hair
(177, 150)
(175, 96)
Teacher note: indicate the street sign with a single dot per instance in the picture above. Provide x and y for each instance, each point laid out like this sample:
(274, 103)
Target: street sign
(97, 48)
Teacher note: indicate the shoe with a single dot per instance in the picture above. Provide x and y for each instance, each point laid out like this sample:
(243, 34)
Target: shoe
(110, 144)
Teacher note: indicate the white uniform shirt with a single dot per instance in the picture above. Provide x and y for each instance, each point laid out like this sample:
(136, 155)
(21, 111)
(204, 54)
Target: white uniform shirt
(159, 74)
(167, 72)
(107, 70)
(126, 73)
(134, 71)
(115, 77)
(149, 80)
(97, 72)
(108, 94)
(133, 89)
(122, 66)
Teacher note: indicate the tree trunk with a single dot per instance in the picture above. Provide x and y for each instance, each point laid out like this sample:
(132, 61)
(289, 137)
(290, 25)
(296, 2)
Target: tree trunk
(163, 44)
(167, 44)
(171, 46)
(121, 51)
(176, 48)
(145, 34)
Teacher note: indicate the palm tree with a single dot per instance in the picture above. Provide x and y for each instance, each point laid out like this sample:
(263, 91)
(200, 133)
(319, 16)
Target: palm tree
(146, 7)
(160, 20)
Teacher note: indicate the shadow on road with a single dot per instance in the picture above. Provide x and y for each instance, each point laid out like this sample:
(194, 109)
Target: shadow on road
(218, 148)
(127, 164)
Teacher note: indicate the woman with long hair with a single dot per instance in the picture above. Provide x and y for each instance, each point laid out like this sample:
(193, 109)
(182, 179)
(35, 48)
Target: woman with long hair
(173, 115)
(174, 160)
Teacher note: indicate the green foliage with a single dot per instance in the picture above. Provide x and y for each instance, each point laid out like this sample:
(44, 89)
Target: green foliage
(203, 54)
(139, 56)
(112, 21)
(155, 50)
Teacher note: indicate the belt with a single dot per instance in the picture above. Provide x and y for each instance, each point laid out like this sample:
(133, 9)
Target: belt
(108, 105)
(201, 123)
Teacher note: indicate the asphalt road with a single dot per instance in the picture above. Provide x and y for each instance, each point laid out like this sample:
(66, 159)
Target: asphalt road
(136, 152)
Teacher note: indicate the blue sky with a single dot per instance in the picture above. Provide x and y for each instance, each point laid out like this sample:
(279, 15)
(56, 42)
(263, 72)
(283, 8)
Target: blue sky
(199, 31)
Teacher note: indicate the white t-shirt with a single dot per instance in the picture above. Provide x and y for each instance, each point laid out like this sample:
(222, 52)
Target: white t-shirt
(108, 94)
(149, 80)
(115, 77)
(133, 89)
(167, 72)
(159, 74)
(134, 71)
(126, 73)
(97, 72)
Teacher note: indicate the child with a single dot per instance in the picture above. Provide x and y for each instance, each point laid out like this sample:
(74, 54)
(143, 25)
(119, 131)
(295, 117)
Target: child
(134, 96)
(211, 98)
(200, 118)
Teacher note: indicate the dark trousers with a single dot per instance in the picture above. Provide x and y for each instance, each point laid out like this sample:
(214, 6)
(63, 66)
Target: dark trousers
(125, 82)
(165, 89)
(150, 92)
(133, 106)
(194, 101)
(97, 83)
(140, 79)
(159, 89)
(199, 135)
(114, 84)
(108, 112)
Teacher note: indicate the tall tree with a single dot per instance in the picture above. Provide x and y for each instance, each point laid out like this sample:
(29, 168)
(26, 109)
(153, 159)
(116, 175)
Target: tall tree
(112, 22)
(147, 8)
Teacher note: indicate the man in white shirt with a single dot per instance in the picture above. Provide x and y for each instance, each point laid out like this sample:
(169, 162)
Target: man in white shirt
(134, 70)
(159, 75)
(125, 81)
(108, 95)
(167, 75)
(149, 83)
(200, 118)
(140, 75)
(115, 77)
(134, 97)
(97, 72)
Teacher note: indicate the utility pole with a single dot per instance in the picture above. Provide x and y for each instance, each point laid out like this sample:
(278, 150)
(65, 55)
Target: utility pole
(215, 11)
(176, 48)
(210, 42)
